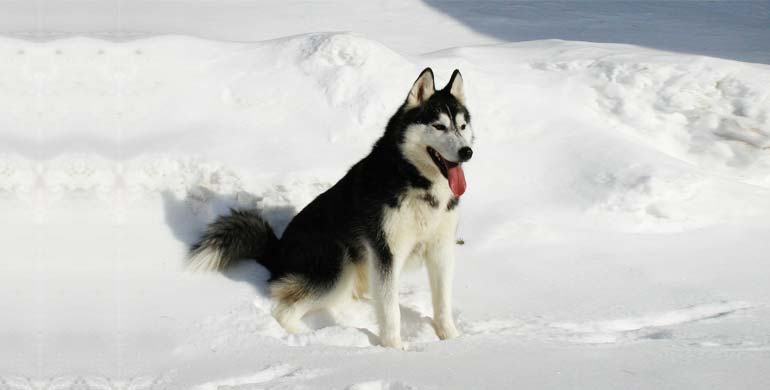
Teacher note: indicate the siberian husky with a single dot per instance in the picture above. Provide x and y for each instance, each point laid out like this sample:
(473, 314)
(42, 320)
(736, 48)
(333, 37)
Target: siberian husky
(398, 204)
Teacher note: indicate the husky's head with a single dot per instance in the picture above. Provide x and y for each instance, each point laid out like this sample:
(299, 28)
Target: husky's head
(438, 136)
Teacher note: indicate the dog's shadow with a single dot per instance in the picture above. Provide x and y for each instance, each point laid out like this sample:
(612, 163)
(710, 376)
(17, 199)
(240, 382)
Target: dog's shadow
(188, 216)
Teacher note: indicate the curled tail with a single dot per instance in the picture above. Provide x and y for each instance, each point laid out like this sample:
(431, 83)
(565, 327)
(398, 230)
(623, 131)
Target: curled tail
(242, 234)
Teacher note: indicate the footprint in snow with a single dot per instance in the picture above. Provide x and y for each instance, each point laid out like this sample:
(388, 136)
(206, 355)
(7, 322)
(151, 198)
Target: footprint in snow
(380, 385)
(274, 375)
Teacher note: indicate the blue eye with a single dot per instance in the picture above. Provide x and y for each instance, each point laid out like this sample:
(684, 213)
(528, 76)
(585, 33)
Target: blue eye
(439, 126)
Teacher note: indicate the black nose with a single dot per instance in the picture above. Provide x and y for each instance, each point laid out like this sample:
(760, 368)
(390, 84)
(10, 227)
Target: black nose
(465, 153)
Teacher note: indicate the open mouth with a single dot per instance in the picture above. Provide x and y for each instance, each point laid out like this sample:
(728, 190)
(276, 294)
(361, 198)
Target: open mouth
(442, 163)
(451, 170)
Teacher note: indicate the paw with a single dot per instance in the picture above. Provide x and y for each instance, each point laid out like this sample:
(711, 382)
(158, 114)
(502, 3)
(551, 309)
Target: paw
(291, 327)
(445, 330)
(290, 324)
(391, 341)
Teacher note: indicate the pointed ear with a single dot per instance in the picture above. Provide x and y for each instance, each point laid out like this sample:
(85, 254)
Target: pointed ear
(455, 86)
(422, 89)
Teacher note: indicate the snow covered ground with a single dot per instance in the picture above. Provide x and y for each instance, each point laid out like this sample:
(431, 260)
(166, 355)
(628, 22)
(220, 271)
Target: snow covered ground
(615, 223)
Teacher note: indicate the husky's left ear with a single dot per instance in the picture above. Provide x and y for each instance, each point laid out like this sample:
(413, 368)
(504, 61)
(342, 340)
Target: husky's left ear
(455, 86)
(422, 89)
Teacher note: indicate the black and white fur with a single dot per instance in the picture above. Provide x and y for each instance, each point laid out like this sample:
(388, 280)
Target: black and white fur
(393, 207)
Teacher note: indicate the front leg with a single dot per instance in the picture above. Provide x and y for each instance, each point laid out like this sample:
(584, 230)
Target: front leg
(439, 259)
(385, 274)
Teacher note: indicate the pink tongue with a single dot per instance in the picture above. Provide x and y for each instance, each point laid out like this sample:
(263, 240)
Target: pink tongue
(456, 180)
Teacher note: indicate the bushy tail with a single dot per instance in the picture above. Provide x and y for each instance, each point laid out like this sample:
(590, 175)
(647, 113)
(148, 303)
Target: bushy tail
(241, 235)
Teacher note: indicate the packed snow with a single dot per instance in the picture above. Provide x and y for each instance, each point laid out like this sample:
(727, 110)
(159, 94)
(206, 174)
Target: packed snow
(614, 228)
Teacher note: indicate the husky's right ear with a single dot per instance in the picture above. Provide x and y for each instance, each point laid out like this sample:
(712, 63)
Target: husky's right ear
(422, 89)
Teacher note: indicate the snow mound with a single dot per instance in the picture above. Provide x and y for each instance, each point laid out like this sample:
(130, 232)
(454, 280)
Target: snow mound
(714, 113)
(713, 116)
(115, 156)
(643, 140)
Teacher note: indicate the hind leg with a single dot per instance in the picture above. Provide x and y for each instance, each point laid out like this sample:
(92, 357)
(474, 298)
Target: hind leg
(289, 315)
(295, 299)
(361, 284)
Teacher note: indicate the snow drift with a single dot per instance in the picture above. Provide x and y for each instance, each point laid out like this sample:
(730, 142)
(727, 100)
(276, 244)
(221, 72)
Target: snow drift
(619, 196)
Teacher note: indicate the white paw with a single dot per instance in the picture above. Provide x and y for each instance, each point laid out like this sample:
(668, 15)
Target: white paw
(446, 330)
(292, 327)
(287, 321)
(391, 341)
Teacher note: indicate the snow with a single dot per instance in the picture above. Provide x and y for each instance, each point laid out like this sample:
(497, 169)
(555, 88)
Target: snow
(615, 223)
(726, 29)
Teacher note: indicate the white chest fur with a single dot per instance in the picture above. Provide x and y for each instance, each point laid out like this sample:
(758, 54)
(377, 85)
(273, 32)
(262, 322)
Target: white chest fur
(421, 217)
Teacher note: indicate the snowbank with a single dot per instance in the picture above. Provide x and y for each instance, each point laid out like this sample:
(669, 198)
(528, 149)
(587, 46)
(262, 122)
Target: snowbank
(618, 196)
